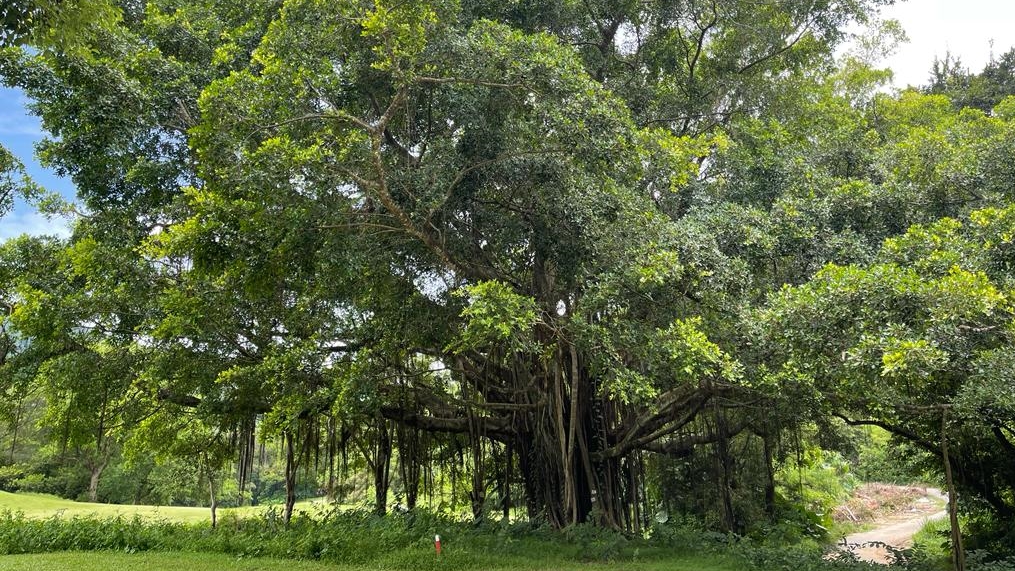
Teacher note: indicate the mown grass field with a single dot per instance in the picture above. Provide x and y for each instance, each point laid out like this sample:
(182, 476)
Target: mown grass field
(43, 506)
(103, 561)
(100, 561)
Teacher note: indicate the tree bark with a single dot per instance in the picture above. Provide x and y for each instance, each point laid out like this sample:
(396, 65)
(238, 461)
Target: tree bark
(409, 463)
(958, 553)
(724, 467)
(213, 501)
(505, 495)
(288, 440)
(15, 426)
(95, 468)
(382, 467)
(769, 475)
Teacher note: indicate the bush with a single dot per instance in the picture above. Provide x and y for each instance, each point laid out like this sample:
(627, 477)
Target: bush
(596, 543)
(405, 541)
(10, 475)
(979, 560)
(56, 479)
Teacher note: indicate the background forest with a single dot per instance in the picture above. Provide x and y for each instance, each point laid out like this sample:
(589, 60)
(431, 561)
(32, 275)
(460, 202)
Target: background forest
(603, 262)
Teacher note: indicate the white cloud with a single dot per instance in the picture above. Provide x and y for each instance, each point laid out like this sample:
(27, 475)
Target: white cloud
(28, 222)
(965, 29)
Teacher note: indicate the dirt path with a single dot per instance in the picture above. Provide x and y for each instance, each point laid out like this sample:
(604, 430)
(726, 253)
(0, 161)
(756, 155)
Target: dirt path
(897, 531)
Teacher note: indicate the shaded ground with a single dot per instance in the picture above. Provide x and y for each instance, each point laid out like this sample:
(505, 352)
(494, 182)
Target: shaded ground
(897, 530)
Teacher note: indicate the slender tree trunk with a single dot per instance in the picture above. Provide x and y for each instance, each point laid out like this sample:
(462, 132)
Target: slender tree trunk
(632, 495)
(213, 502)
(332, 453)
(505, 496)
(409, 463)
(769, 475)
(15, 426)
(382, 467)
(570, 467)
(478, 492)
(288, 439)
(958, 553)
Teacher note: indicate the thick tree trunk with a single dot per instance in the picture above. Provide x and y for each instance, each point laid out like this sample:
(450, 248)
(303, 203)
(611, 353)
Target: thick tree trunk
(578, 450)
(93, 479)
(556, 445)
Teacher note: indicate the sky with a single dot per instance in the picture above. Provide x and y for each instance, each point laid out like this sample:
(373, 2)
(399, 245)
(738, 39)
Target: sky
(963, 27)
(19, 131)
(966, 28)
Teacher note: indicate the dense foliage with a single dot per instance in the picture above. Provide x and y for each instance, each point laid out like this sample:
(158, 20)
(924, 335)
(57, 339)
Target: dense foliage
(603, 260)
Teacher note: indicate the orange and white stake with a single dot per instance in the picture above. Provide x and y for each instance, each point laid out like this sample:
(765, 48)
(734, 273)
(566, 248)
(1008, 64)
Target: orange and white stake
(437, 543)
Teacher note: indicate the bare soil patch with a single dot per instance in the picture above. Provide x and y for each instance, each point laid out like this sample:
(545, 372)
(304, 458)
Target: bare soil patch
(876, 503)
(897, 512)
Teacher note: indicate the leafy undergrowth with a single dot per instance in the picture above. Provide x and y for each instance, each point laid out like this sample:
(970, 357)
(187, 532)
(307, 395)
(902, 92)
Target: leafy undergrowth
(932, 542)
(361, 540)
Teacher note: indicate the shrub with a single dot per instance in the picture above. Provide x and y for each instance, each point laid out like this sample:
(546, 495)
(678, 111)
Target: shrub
(9, 476)
(405, 541)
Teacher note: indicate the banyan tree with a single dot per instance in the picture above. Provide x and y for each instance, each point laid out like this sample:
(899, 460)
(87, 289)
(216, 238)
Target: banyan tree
(436, 225)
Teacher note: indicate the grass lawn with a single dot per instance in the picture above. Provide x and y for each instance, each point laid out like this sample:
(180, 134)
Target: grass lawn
(43, 506)
(172, 538)
(102, 561)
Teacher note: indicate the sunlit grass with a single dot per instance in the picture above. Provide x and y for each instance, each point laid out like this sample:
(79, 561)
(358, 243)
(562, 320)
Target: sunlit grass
(933, 542)
(102, 561)
(43, 506)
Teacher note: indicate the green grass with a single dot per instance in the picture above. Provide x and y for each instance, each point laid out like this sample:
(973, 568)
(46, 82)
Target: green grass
(932, 541)
(44, 506)
(102, 561)
(97, 536)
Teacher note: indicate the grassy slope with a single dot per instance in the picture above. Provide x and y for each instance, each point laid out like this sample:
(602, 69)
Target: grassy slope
(43, 506)
(96, 561)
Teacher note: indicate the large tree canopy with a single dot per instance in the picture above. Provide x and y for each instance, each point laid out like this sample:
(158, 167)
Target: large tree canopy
(929, 326)
(543, 227)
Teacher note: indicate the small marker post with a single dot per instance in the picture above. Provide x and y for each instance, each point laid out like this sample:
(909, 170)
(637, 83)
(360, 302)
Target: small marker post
(437, 543)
